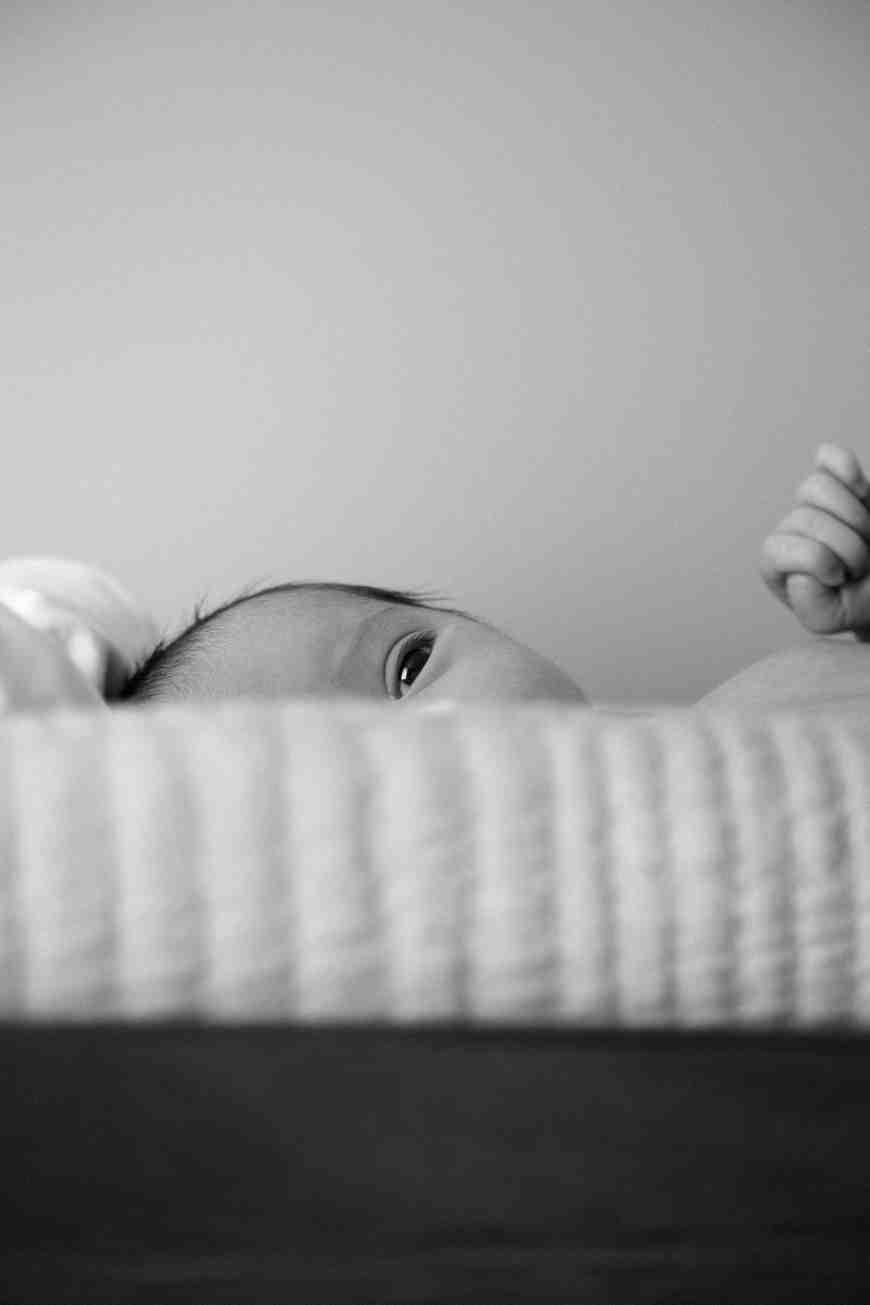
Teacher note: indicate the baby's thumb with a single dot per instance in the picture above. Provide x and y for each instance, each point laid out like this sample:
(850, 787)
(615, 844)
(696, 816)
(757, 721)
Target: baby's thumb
(818, 608)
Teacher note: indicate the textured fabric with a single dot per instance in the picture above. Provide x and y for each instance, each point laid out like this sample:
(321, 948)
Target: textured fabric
(328, 861)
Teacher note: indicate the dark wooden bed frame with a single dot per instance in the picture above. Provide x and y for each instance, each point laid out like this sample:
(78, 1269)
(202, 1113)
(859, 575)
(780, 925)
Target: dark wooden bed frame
(266, 1165)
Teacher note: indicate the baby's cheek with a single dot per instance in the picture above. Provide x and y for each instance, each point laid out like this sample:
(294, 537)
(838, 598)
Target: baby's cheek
(526, 675)
(480, 664)
(554, 685)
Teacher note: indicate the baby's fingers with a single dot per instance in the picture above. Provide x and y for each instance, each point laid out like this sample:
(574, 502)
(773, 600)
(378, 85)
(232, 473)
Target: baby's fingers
(784, 554)
(846, 544)
(818, 608)
(824, 491)
(844, 465)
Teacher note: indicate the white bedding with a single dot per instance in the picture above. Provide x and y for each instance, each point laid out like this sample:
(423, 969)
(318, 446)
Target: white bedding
(348, 861)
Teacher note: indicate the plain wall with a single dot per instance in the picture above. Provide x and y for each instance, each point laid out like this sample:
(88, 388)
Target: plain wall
(546, 307)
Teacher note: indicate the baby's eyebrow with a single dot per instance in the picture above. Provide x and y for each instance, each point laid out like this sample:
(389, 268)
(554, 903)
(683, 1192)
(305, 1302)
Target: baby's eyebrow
(360, 642)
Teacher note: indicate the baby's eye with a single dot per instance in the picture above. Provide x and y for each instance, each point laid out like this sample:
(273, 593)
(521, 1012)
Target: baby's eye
(412, 657)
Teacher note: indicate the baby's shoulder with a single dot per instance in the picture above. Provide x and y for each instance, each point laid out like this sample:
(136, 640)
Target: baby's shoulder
(818, 674)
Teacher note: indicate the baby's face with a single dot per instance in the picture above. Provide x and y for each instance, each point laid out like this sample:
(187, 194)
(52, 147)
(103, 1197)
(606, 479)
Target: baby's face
(326, 643)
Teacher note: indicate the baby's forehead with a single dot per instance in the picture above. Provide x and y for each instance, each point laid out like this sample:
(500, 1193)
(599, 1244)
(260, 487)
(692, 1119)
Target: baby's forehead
(312, 630)
(320, 606)
(285, 642)
(321, 624)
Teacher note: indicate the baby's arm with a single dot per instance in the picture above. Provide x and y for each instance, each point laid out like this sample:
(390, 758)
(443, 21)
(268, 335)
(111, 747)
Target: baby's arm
(817, 560)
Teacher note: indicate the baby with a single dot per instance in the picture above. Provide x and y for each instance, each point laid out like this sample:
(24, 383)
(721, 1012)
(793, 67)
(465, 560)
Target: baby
(333, 639)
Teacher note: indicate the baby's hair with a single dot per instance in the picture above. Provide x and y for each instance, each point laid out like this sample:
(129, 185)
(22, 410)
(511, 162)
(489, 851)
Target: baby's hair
(169, 656)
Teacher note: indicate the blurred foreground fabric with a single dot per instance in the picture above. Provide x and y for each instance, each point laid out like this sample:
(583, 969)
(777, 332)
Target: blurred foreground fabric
(332, 861)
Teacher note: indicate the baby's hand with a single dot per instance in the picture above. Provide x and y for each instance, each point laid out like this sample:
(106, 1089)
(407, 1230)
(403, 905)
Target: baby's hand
(817, 561)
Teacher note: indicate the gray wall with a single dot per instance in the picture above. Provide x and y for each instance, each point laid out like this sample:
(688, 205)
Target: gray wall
(545, 306)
